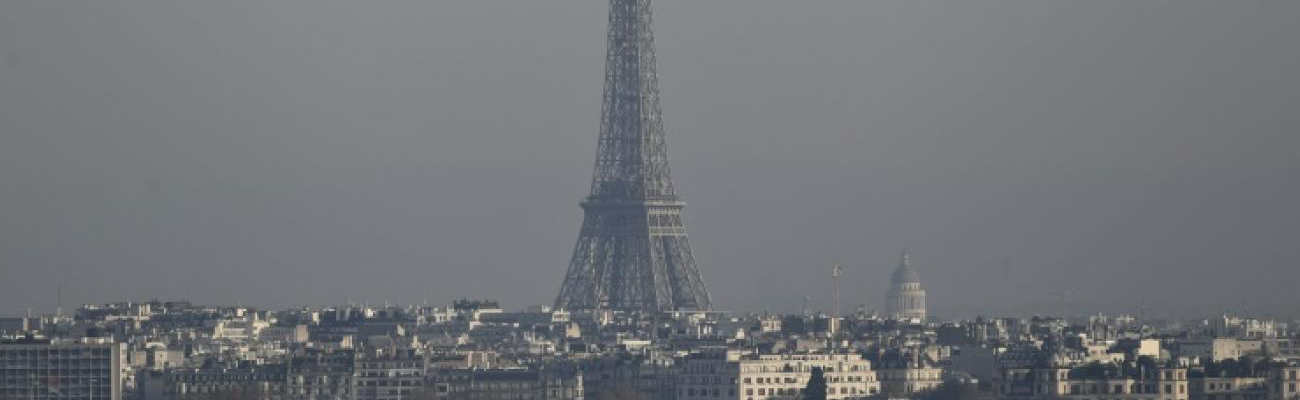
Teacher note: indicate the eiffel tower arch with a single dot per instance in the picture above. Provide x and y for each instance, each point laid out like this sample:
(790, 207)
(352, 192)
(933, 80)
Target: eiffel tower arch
(632, 251)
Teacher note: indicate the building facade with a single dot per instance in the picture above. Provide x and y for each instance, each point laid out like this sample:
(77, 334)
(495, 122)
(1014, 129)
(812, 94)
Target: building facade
(903, 374)
(389, 375)
(507, 384)
(1094, 383)
(1276, 382)
(776, 376)
(212, 383)
(32, 370)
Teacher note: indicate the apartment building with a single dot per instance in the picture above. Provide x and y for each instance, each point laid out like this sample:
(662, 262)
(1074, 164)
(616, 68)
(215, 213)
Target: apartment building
(772, 376)
(1114, 381)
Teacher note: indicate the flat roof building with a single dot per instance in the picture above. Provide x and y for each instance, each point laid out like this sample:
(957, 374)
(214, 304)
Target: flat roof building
(39, 370)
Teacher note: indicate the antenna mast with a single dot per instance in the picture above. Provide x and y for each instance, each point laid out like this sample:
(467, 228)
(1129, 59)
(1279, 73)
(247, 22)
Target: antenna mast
(836, 271)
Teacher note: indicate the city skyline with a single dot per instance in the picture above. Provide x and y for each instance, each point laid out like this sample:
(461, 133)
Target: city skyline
(1035, 156)
(890, 200)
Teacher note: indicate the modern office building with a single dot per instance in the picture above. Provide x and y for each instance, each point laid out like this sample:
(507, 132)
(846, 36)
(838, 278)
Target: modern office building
(33, 369)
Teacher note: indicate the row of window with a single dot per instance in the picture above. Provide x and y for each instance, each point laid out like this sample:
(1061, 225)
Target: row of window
(61, 381)
(388, 373)
(802, 368)
(1135, 388)
(391, 365)
(69, 353)
(702, 392)
(703, 380)
(799, 391)
(54, 371)
(45, 394)
(779, 380)
(386, 382)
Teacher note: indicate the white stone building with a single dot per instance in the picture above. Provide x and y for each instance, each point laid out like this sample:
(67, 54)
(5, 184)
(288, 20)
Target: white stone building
(731, 375)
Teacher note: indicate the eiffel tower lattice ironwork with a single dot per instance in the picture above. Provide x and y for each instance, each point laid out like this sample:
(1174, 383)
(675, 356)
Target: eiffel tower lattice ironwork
(632, 253)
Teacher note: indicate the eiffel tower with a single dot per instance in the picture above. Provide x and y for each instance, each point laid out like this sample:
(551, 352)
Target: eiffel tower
(632, 253)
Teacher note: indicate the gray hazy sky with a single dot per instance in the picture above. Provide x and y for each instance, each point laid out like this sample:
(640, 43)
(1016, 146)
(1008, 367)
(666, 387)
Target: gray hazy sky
(280, 152)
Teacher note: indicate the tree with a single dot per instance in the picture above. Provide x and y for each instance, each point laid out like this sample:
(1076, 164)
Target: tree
(816, 389)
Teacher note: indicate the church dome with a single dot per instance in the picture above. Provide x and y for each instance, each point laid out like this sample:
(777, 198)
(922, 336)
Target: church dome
(905, 273)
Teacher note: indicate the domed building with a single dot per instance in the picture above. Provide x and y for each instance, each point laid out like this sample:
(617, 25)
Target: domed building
(906, 299)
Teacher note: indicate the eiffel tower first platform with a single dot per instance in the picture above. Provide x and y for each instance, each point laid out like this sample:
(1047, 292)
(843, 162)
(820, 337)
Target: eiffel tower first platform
(632, 253)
